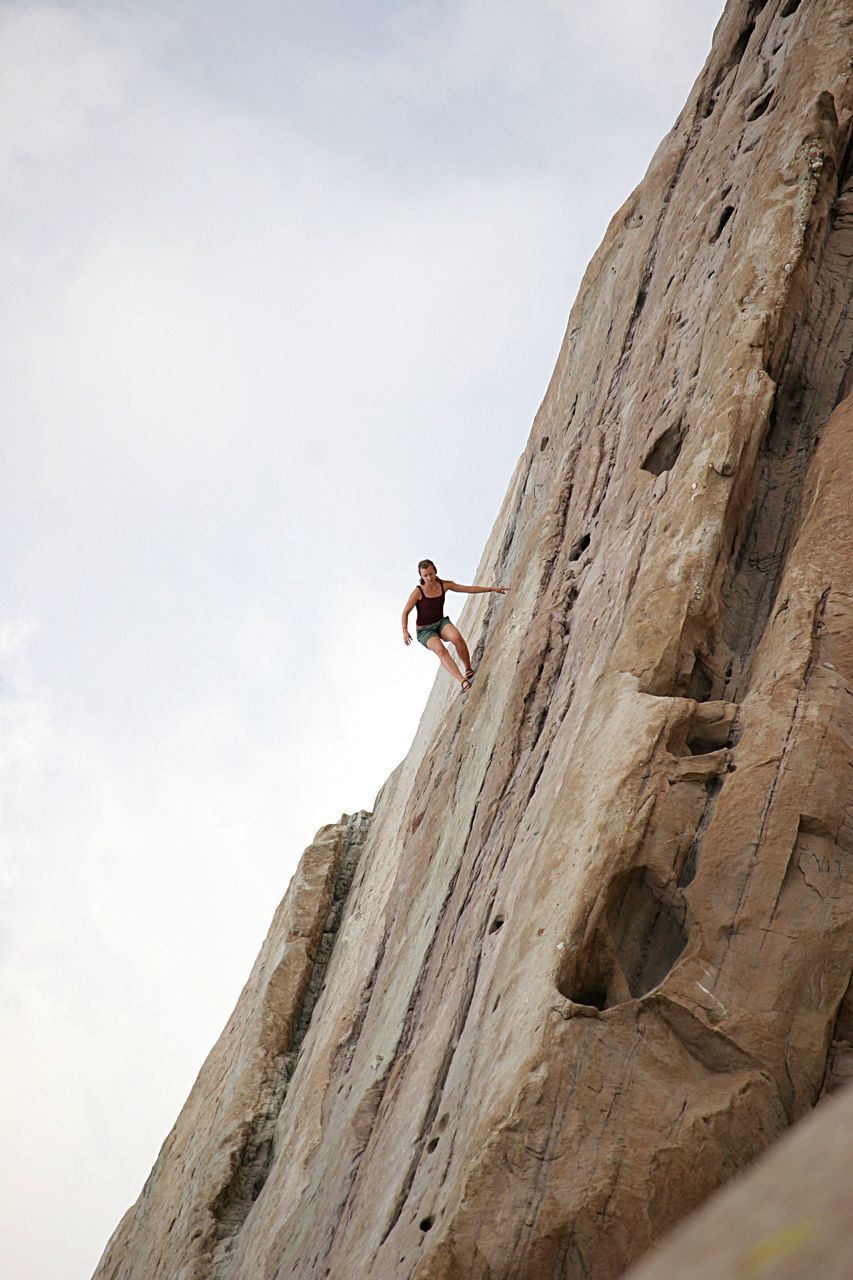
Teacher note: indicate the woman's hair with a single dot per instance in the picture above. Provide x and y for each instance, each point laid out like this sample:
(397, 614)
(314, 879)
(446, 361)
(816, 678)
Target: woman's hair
(425, 564)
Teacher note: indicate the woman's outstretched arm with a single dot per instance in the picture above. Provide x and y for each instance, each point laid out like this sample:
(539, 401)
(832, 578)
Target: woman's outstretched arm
(457, 586)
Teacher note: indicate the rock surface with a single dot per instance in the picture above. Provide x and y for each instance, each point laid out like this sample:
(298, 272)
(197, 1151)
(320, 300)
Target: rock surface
(212, 1164)
(787, 1219)
(595, 953)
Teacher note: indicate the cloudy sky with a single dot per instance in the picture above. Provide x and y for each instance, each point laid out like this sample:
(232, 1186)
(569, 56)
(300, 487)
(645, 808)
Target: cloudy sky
(284, 285)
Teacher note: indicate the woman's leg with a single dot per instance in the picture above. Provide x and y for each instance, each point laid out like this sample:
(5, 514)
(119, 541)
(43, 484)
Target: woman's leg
(444, 657)
(449, 632)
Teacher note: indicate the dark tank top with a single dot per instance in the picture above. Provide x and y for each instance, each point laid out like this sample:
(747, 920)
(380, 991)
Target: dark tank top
(430, 609)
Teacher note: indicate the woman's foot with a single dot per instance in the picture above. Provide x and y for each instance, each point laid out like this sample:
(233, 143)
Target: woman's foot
(469, 674)
(466, 685)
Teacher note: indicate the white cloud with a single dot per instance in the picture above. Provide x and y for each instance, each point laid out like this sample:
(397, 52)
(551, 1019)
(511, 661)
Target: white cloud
(261, 647)
(56, 75)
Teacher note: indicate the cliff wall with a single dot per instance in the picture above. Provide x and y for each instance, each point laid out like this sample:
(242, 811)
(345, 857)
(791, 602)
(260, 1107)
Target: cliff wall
(598, 933)
(786, 1218)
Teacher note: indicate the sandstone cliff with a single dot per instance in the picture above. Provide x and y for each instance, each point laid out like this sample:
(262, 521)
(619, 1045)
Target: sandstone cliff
(587, 957)
(788, 1218)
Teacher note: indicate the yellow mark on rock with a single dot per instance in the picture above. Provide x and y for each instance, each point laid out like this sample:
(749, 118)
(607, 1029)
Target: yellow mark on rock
(774, 1248)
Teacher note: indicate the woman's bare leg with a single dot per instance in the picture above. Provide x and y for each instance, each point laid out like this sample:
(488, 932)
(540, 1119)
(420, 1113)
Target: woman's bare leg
(444, 658)
(451, 633)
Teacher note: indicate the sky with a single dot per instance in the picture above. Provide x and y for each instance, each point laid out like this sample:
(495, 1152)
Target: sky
(285, 285)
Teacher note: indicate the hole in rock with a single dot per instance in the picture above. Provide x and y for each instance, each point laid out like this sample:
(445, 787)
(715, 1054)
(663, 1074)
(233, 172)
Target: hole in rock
(636, 944)
(646, 924)
(495, 1005)
(813, 826)
(426, 1223)
(496, 924)
(699, 736)
(791, 7)
(740, 44)
(417, 820)
(432, 1144)
(585, 977)
(593, 993)
(759, 106)
(543, 444)
(724, 217)
(665, 450)
(701, 682)
(579, 547)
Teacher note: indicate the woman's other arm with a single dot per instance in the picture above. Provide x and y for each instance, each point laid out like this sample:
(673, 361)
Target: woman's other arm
(407, 609)
(474, 590)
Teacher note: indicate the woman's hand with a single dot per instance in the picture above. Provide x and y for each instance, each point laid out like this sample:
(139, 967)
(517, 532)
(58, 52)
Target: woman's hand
(407, 639)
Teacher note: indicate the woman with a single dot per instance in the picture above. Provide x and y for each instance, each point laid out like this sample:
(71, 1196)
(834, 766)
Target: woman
(434, 626)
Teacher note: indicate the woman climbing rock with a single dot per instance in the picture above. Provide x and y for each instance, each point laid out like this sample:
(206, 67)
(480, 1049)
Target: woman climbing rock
(433, 626)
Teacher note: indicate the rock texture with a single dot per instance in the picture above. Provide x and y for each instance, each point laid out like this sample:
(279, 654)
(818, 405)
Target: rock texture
(787, 1219)
(214, 1162)
(595, 953)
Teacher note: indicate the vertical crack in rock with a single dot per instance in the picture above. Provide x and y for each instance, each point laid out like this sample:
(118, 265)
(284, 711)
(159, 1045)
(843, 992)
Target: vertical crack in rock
(253, 1162)
(349, 1045)
(484, 856)
(687, 873)
(436, 1093)
(345, 870)
(809, 363)
(839, 1065)
(788, 743)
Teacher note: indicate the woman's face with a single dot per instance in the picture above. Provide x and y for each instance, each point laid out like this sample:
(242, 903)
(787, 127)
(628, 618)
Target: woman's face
(429, 576)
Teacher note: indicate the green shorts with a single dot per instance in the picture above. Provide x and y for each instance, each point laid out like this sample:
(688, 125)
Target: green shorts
(434, 629)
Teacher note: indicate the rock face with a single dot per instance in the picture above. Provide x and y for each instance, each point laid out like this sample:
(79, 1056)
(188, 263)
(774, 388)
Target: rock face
(595, 952)
(214, 1162)
(787, 1219)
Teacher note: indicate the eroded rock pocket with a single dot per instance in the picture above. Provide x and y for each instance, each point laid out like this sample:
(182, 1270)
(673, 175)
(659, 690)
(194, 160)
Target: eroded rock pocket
(639, 936)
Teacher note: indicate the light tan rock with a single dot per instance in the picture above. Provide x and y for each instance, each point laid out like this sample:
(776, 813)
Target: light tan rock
(592, 961)
(209, 1167)
(788, 1218)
